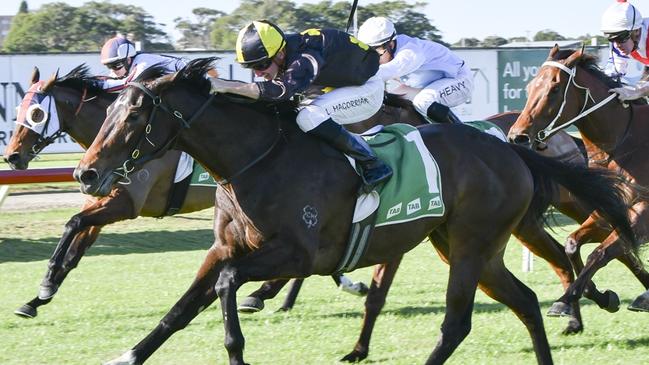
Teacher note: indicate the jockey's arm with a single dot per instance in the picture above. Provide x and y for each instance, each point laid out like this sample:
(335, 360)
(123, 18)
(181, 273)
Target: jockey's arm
(250, 90)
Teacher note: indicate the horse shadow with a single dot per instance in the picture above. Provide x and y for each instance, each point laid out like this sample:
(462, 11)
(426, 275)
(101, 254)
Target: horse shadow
(28, 250)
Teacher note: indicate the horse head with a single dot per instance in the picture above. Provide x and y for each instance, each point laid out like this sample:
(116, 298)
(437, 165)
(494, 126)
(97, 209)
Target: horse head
(551, 99)
(571, 89)
(140, 125)
(49, 109)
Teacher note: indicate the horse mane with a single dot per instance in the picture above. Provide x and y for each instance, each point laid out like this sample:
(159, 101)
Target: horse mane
(589, 63)
(78, 78)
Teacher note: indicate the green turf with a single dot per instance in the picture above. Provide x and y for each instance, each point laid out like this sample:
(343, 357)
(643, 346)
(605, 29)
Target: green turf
(138, 269)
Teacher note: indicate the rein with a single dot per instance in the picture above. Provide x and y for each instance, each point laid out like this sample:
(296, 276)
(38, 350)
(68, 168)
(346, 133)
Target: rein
(550, 130)
(136, 159)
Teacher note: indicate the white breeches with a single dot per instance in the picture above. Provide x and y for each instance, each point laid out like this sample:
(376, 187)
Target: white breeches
(345, 105)
(448, 91)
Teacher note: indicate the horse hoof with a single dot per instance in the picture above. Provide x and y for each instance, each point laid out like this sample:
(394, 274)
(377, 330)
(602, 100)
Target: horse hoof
(354, 356)
(283, 309)
(613, 301)
(574, 328)
(47, 292)
(641, 303)
(357, 288)
(559, 309)
(250, 305)
(26, 311)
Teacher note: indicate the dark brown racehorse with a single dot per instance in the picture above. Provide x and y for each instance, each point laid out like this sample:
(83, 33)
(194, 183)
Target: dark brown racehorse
(262, 233)
(81, 107)
(570, 85)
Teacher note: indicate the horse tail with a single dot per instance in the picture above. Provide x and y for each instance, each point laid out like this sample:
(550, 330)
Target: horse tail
(601, 190)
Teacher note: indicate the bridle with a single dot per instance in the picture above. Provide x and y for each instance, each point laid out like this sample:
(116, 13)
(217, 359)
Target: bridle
(550, 130)
(43, 140)
(137, 159)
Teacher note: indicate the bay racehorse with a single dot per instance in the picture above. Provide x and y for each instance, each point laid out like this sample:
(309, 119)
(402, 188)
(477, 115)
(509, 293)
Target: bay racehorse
(570, 88)
(267, 230)
(80, 105)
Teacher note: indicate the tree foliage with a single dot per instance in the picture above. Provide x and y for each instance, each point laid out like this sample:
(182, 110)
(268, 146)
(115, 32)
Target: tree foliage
(196, 34)
(61, 27)
(548, 35)
(494, 41)
(23, 7)
(325, 14)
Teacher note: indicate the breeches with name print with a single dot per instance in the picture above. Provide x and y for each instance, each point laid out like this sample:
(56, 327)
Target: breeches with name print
(345, 105)
(448, 91)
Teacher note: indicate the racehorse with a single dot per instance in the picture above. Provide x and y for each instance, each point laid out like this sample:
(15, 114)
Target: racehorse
(81, 105)
(571, 89)
(295, 223)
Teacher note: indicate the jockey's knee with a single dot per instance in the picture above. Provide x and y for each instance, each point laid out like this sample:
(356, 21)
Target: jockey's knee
(310, 117)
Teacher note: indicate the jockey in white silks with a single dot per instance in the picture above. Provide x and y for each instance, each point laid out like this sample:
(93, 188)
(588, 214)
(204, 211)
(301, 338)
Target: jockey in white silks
(628, 33)
(125, 63)
(446, 81)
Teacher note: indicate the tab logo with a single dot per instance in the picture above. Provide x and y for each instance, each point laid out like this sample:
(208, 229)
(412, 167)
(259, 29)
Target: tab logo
(435, 203)
(414, 206)
(203, 176)
(395, 210)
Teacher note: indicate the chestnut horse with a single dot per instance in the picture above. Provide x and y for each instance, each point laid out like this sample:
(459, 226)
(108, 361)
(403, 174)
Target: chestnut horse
(570, 88)
(261, 231)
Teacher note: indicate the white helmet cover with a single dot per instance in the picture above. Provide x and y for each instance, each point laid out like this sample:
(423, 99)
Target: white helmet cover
(620, 16)
(376, 30)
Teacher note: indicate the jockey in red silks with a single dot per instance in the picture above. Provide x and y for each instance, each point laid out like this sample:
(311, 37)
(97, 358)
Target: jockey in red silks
(627, 31)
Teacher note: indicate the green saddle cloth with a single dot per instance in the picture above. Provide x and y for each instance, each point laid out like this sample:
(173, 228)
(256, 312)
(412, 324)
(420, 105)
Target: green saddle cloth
(414, 190)
(200, 176)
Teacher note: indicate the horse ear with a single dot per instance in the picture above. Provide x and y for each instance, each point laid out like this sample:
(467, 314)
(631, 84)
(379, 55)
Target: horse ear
(36, 75)
(574, 57)
(553, 52)
(51, 81)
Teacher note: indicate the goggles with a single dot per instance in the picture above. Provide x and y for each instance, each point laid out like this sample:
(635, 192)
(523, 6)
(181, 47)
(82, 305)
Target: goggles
(261, 65)
(619, 37)
(115, 65)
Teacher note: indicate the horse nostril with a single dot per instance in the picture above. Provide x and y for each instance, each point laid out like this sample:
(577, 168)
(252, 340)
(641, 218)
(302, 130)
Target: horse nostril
(523, 139)
(13, 159)
(88, 177)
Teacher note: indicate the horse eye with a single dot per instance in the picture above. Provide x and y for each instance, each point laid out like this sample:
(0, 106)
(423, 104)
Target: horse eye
(554, 89)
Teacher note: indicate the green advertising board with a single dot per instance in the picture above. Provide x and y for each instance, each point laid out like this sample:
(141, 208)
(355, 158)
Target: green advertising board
(515, 69)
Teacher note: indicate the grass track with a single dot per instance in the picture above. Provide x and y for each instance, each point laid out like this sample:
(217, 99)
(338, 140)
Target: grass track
(139, 268)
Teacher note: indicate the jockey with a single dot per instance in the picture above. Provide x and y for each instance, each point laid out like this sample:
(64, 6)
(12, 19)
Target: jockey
(125, 63)
(446, 81)
(628, 33)
(296, 63)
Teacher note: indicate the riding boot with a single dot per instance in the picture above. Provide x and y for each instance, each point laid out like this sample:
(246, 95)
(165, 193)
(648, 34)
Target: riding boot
(441, 113)
(373, 170)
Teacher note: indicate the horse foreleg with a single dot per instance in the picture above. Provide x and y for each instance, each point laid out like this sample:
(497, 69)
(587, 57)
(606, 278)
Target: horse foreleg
(271, 260)
(378, 291)
(460, 295)
(199, 296)
(80, 232)
(591, 230)
(611, 248)
(500, 284)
